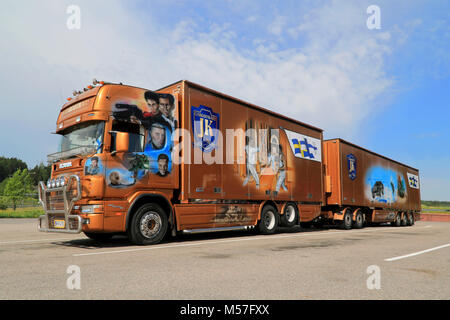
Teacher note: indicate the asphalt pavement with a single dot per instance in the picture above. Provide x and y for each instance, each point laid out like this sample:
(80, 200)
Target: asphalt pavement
(380, 262)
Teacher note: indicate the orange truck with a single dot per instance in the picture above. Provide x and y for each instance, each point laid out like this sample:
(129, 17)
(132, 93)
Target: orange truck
(186, 158)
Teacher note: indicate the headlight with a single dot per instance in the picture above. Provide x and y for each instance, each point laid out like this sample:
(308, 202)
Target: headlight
(53, 183)
(62, 181)
(58, 182)
(49, 184)
(91, 208)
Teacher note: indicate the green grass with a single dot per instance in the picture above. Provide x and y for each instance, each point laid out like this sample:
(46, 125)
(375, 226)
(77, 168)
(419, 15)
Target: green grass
(30, 212)
(435, 209)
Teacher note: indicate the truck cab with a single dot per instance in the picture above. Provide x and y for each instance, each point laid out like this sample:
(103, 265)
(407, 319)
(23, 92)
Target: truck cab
(114, 154)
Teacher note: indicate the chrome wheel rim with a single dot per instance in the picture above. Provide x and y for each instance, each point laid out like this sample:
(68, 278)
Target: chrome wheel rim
(290, 213)
(359, 218)
(348, 219)
(150, 224)
(269, 220)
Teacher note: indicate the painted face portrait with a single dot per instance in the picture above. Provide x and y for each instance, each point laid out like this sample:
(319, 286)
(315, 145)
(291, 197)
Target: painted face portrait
(162, 166)
(153, 106)
(158, 136)
(92, 168)
(164, 106)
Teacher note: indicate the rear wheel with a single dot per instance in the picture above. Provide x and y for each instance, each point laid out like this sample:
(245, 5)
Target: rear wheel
(290, 216)
(398, 221)
(149, 225)
(348, 220)
(410, 219)
(269, 220)
(404, 219)
(359, 220)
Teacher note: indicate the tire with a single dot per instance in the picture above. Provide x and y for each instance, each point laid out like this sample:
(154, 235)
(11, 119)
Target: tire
(148, 225)
(411, 219)
(290, 216)
(100, 237)
(348, 220)
(359, 221)
(269, 220)
(404, 220)
(397, 222)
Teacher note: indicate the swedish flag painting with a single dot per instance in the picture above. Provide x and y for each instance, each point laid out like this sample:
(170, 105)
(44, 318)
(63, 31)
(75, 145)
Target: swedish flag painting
(296, 144)
(304, 147)
(413, 180)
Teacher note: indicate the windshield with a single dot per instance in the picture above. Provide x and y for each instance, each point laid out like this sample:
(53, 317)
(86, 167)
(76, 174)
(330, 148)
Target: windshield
(89, 134)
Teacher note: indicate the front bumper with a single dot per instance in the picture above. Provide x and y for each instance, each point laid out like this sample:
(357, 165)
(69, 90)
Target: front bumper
(58, 204)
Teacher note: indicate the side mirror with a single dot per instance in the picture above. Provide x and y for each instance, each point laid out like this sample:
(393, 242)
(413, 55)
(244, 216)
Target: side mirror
(122, 144)
(126, 142)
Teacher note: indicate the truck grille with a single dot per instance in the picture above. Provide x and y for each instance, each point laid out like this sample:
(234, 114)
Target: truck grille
(55, 199)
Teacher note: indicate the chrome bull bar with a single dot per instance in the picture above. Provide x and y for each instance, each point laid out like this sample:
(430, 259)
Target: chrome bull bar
(46, 222)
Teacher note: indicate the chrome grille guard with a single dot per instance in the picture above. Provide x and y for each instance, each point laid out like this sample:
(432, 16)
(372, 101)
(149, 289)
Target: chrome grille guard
(61, 207)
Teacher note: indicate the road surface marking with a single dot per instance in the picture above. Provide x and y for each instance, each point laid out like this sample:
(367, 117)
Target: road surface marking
(236, 240)
(417, 253)
(39, 240)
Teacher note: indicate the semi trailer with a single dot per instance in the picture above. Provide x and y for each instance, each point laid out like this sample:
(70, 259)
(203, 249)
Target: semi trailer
(362, 187)
(186, 158)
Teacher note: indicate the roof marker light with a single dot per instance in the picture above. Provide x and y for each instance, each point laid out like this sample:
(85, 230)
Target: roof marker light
(95, 82)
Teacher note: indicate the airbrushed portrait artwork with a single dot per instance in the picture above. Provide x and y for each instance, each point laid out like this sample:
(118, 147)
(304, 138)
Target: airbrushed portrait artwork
(154, 115)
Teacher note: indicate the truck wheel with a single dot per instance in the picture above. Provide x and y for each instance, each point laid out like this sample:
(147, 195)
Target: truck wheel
(397, 222)
(410, 219)
(269, 220)
(359, 221)
(98, 236)
(404, 219)
(149, 225)
(290, 216)
(348, 220)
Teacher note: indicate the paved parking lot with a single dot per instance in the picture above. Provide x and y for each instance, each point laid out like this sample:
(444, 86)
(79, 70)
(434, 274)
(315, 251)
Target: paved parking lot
(372, 263)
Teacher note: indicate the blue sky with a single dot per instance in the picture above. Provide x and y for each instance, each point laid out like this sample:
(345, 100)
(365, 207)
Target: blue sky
(386, 90)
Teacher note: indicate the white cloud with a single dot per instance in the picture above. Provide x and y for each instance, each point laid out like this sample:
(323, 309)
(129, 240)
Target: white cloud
(332, 81)
(277, 26)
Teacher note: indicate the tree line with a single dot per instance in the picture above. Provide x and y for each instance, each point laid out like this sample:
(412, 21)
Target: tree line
(18, 182)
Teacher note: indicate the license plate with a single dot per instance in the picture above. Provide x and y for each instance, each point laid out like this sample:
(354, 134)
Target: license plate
(59, 224)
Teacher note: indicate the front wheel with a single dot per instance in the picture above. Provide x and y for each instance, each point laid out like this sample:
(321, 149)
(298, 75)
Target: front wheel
(149, 225)
(269, 220)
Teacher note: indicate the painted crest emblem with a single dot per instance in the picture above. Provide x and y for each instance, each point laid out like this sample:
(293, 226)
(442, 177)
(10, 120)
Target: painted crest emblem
(351, 165)
(205, 124)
